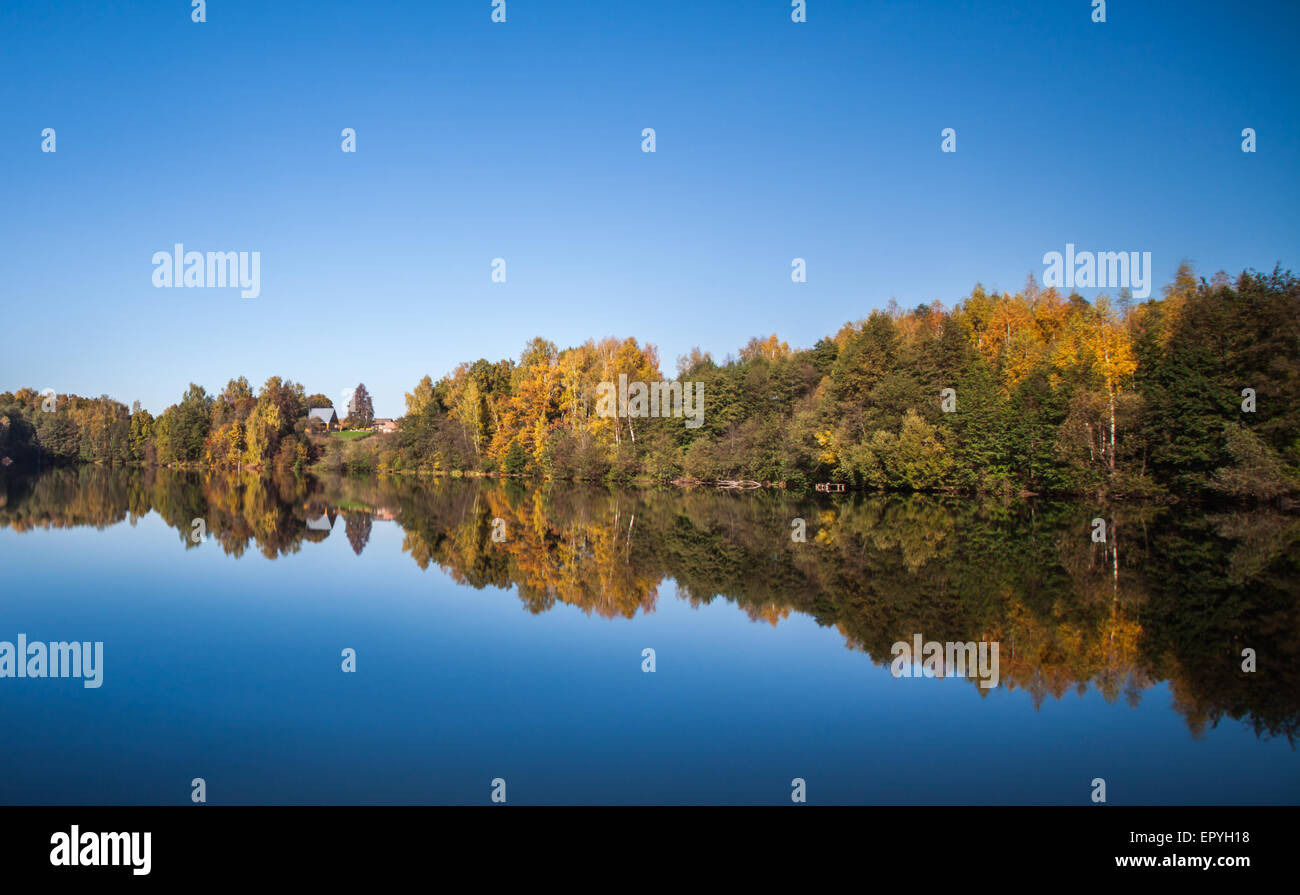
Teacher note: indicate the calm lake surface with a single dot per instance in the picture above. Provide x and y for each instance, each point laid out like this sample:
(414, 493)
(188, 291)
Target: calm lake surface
(522, 658)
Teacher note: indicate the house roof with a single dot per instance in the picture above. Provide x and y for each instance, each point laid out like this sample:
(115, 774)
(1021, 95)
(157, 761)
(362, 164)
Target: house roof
(324, 414)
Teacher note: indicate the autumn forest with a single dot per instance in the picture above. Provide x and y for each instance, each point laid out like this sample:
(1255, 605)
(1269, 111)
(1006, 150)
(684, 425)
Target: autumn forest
(1196, 392)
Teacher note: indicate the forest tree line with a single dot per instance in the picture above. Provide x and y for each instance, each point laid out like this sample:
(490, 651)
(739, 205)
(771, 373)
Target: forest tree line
(1197, 391)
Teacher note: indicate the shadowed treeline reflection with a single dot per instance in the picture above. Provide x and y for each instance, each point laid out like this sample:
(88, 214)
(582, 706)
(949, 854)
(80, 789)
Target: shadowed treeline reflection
(1175, 594)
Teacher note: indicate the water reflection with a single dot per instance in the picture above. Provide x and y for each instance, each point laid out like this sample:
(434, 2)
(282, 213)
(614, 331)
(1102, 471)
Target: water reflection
(1175, 594)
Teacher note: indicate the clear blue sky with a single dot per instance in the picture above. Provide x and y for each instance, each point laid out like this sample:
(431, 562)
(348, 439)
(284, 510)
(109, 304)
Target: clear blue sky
(523, 140)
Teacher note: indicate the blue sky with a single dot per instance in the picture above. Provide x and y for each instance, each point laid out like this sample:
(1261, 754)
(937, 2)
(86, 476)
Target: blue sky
(522, 140)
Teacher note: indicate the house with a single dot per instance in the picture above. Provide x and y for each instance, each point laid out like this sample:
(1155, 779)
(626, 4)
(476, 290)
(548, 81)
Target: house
(322, 418)
(383, 424)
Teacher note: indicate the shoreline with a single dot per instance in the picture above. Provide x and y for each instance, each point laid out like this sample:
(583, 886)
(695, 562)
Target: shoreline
(1283, 503)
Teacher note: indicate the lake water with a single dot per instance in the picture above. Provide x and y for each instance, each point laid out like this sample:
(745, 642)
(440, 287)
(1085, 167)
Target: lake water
(499, 630)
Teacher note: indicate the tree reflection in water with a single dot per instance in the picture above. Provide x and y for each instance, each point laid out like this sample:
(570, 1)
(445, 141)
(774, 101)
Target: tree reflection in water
(1175, 594)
